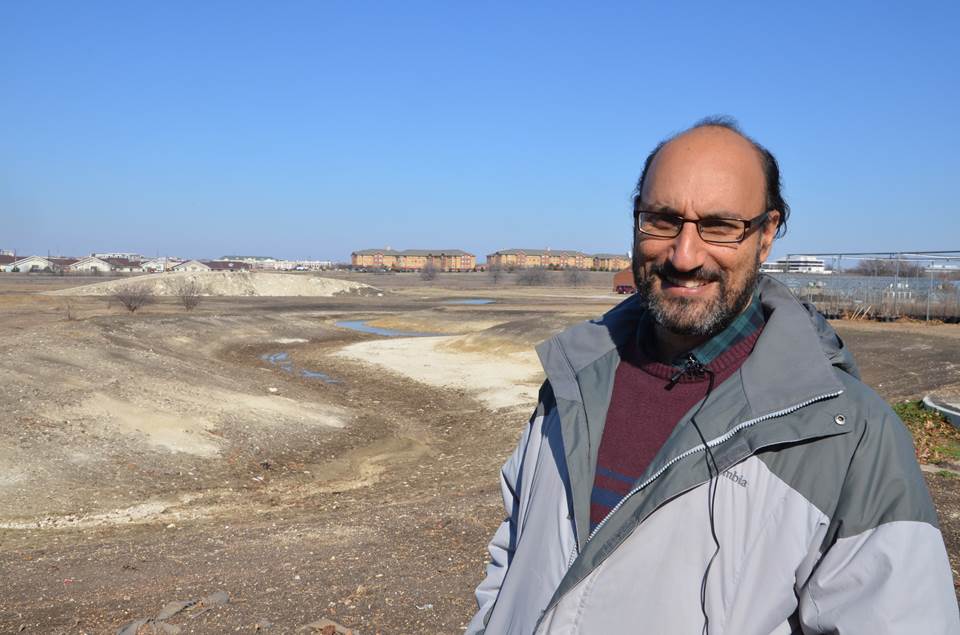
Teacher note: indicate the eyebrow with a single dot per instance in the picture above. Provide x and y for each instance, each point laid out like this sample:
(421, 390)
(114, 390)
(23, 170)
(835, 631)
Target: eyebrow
(666, 209)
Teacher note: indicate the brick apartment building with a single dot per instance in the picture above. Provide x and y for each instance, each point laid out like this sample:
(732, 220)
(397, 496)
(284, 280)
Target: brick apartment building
(414, 259)
(556, 259)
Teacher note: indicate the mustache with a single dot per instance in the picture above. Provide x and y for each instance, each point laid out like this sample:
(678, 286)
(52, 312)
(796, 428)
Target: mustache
(700, 274)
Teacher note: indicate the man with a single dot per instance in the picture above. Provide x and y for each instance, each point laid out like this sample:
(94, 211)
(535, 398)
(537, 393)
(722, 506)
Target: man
(704, 457)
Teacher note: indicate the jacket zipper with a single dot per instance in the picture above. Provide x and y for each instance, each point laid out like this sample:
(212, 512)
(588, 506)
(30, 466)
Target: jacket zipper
(700, 448)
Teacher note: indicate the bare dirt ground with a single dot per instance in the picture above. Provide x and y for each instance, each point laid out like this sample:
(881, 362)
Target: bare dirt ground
(310, 471)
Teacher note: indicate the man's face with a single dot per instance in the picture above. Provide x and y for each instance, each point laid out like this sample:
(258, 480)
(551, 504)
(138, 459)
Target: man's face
(695, 288)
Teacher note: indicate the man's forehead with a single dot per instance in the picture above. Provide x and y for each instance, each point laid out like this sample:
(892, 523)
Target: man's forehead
(704, 160)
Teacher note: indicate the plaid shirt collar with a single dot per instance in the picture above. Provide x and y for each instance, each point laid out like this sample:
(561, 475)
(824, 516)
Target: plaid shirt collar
(742, 327)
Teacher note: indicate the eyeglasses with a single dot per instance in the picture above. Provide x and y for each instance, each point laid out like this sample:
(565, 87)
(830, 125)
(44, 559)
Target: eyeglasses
(711, 230)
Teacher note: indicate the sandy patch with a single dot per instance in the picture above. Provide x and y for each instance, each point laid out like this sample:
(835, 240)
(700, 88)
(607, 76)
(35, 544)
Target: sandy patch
(141, 513)
(157, 428)
(501, 381)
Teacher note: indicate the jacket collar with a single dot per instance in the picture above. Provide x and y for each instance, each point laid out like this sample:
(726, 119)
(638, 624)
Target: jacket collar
(792, 361)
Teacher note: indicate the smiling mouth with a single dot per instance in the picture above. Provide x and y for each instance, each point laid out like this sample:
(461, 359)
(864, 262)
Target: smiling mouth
(685, 284)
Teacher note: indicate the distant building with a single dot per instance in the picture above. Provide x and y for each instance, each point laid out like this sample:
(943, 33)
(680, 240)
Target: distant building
(91, 264)
(121, 255)
(6, 259)
(190, 265)
(556, 259)
(32, 263)
(123, 265)
(226, 265)
(611, 262)
(414, 259)
(159, 265)
(795, 264)
(530, 258)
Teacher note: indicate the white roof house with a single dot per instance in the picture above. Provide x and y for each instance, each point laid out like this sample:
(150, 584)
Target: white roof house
(158, 264)
(91, 264)
(190, 265)
(30, 263)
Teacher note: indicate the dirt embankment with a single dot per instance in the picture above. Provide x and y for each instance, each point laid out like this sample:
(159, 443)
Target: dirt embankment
(226, 283)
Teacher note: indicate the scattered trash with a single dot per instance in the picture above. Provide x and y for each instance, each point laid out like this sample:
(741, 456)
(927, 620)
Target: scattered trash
(424, 607)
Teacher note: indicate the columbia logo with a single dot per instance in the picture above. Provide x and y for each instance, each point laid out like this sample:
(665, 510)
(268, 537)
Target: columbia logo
(736, 478)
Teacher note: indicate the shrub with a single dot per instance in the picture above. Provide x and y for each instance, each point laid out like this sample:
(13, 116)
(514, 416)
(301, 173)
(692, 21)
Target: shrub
(575, 277)
(133, 297)
(532, 277)
(429, 272)
(189, 291)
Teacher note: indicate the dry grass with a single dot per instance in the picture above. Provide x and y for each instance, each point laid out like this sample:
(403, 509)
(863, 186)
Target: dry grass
(935, 439)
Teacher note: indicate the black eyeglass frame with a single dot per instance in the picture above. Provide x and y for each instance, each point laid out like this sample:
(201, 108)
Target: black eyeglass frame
(749, 225)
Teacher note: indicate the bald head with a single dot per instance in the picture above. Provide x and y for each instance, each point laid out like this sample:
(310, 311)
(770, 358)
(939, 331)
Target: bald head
(715, 149)
(709, 168)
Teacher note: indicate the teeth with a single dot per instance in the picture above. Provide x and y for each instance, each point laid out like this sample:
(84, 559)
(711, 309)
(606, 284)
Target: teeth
(687, 284)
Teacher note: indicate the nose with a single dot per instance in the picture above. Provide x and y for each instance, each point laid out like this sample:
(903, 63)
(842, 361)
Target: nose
(688, 251)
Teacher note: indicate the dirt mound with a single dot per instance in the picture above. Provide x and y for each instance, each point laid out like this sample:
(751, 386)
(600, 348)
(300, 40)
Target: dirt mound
(228, 283)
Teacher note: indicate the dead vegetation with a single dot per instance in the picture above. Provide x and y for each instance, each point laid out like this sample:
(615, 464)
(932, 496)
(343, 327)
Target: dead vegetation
(189, 291)
(133, 297)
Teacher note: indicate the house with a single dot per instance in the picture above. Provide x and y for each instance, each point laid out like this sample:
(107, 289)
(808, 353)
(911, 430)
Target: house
(158, 265)
(6, 259)
(90, 264)
(124, 265)
(190, 265)
(30, 263)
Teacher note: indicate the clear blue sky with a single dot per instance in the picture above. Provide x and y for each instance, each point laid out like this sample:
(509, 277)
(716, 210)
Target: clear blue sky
(311, 129)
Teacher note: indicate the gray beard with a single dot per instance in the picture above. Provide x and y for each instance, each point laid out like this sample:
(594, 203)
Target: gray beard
(681, 316)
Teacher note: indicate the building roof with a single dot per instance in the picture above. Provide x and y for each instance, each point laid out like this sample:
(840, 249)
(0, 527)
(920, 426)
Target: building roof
(6, 260)
(226, 265)
(624, 256)
(235, 258)
(187, 262)
(412, 252)
(539, 252)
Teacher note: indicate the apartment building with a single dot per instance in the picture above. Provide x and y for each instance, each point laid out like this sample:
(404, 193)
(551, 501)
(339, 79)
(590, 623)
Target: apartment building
(556, 259)
(414, 259)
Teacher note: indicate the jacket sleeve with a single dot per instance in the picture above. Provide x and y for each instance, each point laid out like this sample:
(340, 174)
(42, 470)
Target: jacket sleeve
(884, 568)
(504, 540)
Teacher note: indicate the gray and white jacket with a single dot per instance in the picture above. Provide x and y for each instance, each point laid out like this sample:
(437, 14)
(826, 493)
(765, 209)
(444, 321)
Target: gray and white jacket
(824, 521)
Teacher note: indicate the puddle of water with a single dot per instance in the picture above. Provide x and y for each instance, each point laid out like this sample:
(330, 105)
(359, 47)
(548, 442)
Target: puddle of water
(363, 327)
(315, 374)
(471, 301)
(282, 361)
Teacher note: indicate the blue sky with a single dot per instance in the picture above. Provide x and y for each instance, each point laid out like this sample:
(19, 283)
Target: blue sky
(310, 129)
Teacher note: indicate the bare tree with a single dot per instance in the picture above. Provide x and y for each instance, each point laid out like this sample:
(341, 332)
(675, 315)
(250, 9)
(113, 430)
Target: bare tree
(575, 277)
(532, 277)
(189, 291)
(133, 297)
(496, 273)
(429, 272)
